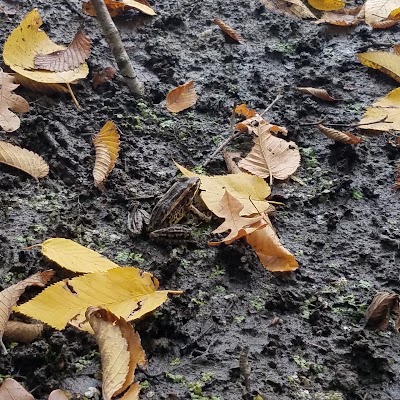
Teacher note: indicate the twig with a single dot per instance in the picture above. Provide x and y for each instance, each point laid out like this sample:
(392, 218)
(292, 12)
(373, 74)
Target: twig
(277, 98)
(245, 370)
(322, 121)
(114, 41)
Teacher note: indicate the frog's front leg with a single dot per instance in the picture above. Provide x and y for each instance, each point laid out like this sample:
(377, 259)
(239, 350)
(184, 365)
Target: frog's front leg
(137, 220)
(201, 215)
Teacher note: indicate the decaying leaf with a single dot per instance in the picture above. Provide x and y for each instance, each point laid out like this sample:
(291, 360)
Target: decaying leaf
(230, 162)
(378, 312)
(105, 75)
(291, 7)
(396, 185)
(339, 136)
(387, 108)
(23, 159)
(346, 17)
(257, 125)
(74, 257)
(106, 143)
(377, 13)
(120, 350)
(126, 291)
(228, 30)
(250, 190)
(58, 394)
(12, 390)
(10, 103)
(270, 250)
(21, 332)
(316, 92)
(40, 87)
(25, 42)
(245, 112)
(10, 296)
(116, 8)
(239, 226)
(64, 60)
(386, 62)
(327, 5)
(182, 97)
(271, 157)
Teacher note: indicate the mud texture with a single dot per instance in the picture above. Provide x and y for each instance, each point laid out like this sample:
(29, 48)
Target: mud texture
(301, 334)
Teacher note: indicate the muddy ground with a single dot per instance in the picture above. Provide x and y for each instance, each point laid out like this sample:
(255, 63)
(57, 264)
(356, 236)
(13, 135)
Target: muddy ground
(342, 225)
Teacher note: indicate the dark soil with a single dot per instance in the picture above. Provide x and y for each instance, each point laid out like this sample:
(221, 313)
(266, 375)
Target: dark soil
(342, 224)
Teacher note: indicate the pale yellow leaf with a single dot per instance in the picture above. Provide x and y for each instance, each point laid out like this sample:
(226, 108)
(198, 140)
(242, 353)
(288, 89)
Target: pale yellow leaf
(12, 390)
(346, 17)
(327, 5)
(40, 87)
(386, 62)
(58, 394)
(182, 97)
(132, 393)
(378, 11)
(291, 7)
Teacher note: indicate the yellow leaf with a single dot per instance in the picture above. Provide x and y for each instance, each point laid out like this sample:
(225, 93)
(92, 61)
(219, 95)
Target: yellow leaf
(181, 98)
(327, 5)
(40, 87)
(12, 390)
(250, 190)
(377, 12)
(127, 292)
(389, 107)
(25, 42)
(386, 62)
(74, 257)
(23, 159)
(106, 143)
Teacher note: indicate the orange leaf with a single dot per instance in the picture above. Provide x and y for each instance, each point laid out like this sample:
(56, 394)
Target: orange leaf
(182, 97)
(257, 125)
(118, 7)
(242, 110)
(339, 136)
(228, 30)
(106, 143)
(12, 390)
(103, 76)
(319, 93)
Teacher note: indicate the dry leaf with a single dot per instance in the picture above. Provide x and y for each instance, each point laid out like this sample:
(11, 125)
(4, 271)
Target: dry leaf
(106, 143)
(25, 42)
(10, 296)
(10, 102)
(22, 333)
(120, 350)
(182, 97)
(245, 112)
(257, 125)
(116, 8)
(271, 157)
(270, 251)
(74, 257)
(40, 87)
(327, 5)
(12, 390)
(23, 159)
(231, 165)
(228, 30)
(339, 136)
(132, 393)
(346, 17)
(378, 312)
(64, 60)
(239, 226)
(320, 93)
(396, 185)
(126, 291)
(395, 15)
(384, 61)
(105, 75)
(58, 394)
(291, 7)
(378, 11)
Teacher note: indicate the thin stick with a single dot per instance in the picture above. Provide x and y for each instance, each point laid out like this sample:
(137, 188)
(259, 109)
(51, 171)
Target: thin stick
(322, 121)
(277, 98)
(73, 96)
(114, 41)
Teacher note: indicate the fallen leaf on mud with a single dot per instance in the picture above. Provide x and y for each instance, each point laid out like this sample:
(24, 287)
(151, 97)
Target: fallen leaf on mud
(120, 350)
(396, 185)
(320, 93)
(10, 296)
(105, 75)
(12, 390)
(116, 8)
(74, 257)
(250, 190)
(245, 112)
(228, 30)
(106, 144)
(239, 226)
(25, 42)
(10, 102)
(386, 62)
(271, 157)
(64, 60)
(378, 313)
(257, 125)
(182, 97)
(272, 254)
(21, 332)
(40, 87)
(386, 107)
(378, 11)
(23, 159)
(126, 291)
(291, 7)
(327, 5)
(346, 17)
(339, 136)
(395, 14)
(58, 394)
(231, 165)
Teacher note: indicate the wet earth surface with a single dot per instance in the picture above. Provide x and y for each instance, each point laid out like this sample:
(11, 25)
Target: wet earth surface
(301, 334)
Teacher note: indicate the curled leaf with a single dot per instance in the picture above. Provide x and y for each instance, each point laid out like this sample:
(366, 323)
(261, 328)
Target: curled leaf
(386, 62)
(377, 13)
(40, 87)
(291, 7)
(320, 93)
(116, 8)
(327, 5)
(182, 97)
(228, 30)
(242, 110)
(339, 136)
(346, 17)
(378, 312)
(12, 390)
(22, 333)
(103, 76)
(58, 394)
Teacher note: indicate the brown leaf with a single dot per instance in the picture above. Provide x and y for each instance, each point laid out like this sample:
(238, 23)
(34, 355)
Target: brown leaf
(346, 17)
(23, 159)
(378, 11)
(12, 390)
(120, 350)
(231, 165)
(10, 296)
(182, 97)
(291, 7)
(257, 125)
(132, 393)
(228, 30)
(378, 312)
(103, 76)
(396, 185)
(245, 112)
(58, 394)
(22, 333)
(116, 8)
(106, 144)
(39, 86)
(65, 60)
(10, 102)
(319, 93)
(339, 136)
